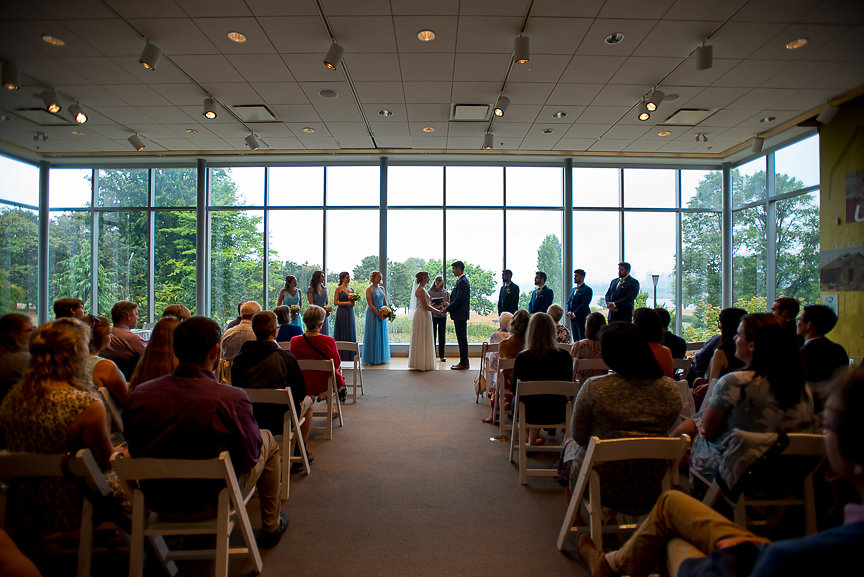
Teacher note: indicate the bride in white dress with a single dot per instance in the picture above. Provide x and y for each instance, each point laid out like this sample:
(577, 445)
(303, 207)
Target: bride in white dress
(421, 355)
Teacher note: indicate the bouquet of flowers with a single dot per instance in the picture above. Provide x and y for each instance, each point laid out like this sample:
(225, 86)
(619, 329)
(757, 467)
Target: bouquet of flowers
(388, 312)
(354, 297)
(328, 309)
(295, 310)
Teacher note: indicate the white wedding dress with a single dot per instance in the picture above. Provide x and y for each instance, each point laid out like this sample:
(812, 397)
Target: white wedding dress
(421, 354)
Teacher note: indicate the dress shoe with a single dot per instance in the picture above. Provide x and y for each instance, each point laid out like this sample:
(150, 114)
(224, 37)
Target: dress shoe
(459, 367)
(593, 557)
(443, 360)
(270, 539)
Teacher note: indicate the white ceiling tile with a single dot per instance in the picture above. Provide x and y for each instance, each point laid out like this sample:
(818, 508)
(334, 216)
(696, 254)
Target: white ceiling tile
(592, 69)
(835, 12)
(571, 113)
(634, 9)
(687, 74)
(592, 131)
(556, 35)
(271, 130)
(547, 143)
(297, 35)
(741, 39)
(751, 73)
(487, 34)
(818, 36)
(644, 71)
(302, 114)
(429, 142)
(716, 11)
(847, 47)
(726, 118)
(416, 129)
(609, 145)
(215, 8)
(801, 73)
(100, 70)
(216, 30)
(519, 113)
(363, 34)
(574, 94)
(284, 143)
(166, 115)
(280, 92)
(149, 9)
(353, 8)
(379, 91)
(397, 111)
(387, 128)
(511, 129)
(620, 95)
(675, 38)
(426, 67)
(374, 68)
(541, 68)
(228, 93)
(475, 92)
(600, 114)
(758, 99)
(627, 132)
(407, 27)
(175, 36)
(337, 113)
(480, 67)
(208, 68)
(181, 94)
(310, 68)
(426, 92)
(804, 99)
(844, 79)
(261, 67)
(465, 142)
(568, 8)
(574, 144)
(634, 32)
(428, 112)
(768, 10)
(313, 91)
(446, 7)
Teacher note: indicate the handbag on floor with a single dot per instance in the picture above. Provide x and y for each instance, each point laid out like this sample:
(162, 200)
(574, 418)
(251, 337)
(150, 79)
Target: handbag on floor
(480, 384)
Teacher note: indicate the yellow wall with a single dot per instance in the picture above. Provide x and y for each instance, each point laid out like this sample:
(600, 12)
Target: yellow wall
(841, 152)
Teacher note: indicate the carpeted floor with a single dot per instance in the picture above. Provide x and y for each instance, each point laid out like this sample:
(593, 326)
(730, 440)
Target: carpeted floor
(412, 485)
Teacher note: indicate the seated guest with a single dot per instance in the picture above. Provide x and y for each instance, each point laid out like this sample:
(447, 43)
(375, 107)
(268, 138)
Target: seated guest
(15, 331)
(234, 338)
(125, 347)
(731, 549)
(723, 360)
(647, 321)
(287, 330)
(542, 360)
(103, 372)
(51, 411)
(190, 415)
(313, 345)
(562, 333)
(702, 360)
(508, 349)
(262, 364)
(767, 396)
(158, 359)
(69, 308)
(179, 311)
(498, 336)
(589, 347)
(786, 309)
(673, 342)
(635, 401)
(823, 358)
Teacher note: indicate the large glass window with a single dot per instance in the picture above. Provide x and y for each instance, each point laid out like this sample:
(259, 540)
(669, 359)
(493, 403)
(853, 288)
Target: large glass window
(701, 189)
(596, 250)
(749, 183)
(701, 274)
(176, 187)
(19, 183)
(70, 187)
(19, 236)
(296, 186)
(123, 260)
(174, 266)
(296, 249)
(649, 188)
(797, 165)
(69, 268)
(123, 187)
(236, 261)
(415, 186)
(596, 187)
(237, 186)
(474, 185)
(353, 185)
(649, 247)
(534, 244)
(534, 186)
(748, 259)
(798, 247)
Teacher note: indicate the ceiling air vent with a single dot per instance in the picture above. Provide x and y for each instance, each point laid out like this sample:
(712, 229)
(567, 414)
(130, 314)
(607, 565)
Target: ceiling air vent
(254, 113)
(689, 116)
(470, 113)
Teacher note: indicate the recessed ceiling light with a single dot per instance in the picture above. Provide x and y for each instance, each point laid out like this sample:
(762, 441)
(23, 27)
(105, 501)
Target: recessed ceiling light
(78, 132)
(796, 44)
(308, 130)
(385, 112)
(428, 129)
(614, 38)
(559, 114)
(327, 93)
(769, 119)
(664, 133)
(53, 40)
(191, 131)
(548, 130)
(237, 37)
(426, 35)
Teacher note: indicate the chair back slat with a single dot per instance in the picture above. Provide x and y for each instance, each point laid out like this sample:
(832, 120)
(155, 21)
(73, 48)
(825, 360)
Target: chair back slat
(271, 396)
(142, 468)
(529, 388)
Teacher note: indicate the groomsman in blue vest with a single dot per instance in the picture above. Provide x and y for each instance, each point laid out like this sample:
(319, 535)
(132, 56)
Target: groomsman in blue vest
(542, 297)
(578, 303)
(508, 297)
(622, 294)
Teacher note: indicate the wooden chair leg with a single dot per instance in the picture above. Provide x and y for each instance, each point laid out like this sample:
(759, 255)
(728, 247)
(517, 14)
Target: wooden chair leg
(85, 540)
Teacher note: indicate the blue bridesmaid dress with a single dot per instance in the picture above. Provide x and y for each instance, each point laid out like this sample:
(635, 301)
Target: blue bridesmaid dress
(321, 300)
(288, 301)
(376, 341)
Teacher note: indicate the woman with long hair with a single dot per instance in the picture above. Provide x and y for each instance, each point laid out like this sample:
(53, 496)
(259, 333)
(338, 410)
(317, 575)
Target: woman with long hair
(542, 360)
(158, 359)
(290, 297)
(376, 340)
(589, 347)
(15, 331)
(52, 411)
(724, 360)
(439, 296)
(767, 395)
(316, 294)
(103, 372)
(421, 354)
(345, 325)
(648, 321)
(508, 349)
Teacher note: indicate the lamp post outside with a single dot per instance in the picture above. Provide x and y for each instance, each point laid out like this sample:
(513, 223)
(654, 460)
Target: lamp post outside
(654, 279)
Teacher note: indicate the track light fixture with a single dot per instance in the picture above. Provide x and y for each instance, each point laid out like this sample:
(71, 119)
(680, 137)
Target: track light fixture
(150, 56)
(487, 141)
(136, 142)
(704, 57)
(77, 114)
(11, 76)
(501, 107)
(654, 100)
(334, 56)
(701, 137)
(252, 142)
(827, 114)
(209, 108)
(521, 49)
(644, 113)
(758, 142)
(51, 102)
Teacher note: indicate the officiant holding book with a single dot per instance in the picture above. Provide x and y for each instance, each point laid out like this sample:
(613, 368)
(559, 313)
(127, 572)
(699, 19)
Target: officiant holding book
(440, 298)
(460, 298)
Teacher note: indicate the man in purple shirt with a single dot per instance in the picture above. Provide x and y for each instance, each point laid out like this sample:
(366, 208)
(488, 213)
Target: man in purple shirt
(190, 415)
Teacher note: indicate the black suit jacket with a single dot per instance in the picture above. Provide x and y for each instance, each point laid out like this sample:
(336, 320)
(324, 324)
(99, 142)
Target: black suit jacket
(508, 298)
(460, 298)
(624, 297)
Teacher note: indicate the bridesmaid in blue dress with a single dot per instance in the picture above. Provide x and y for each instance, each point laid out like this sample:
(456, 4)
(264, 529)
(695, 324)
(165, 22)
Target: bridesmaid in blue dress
(290, 296)
(345, 328)
(316, 294)
(376, 341)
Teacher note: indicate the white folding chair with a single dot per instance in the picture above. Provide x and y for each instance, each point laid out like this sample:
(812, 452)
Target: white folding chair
(113, 409)
(580, 365)
(681, 365)
(519, 431)
(231, 512)
(325, 366)
(688, 405)
(565, 346)
(357, 370)
(669, 450)
(806, 453)
(491, 364)
(285, 345)
(501, 390)
(290, 432)
(83, 465)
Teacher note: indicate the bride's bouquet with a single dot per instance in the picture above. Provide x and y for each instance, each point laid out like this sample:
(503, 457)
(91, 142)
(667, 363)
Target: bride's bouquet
(295, 309)
(354, 297)
(388, 312)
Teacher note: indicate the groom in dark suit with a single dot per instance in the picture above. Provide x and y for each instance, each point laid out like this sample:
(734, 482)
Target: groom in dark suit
(460, 296)
(622, 294)
(508, 297)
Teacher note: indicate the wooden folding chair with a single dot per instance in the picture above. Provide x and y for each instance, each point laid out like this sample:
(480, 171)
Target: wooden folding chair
(669, 450)
(231, 512)
(501, 390)
(326, 366)
(788, 483)
(83, 465)
(290, 432)
(519, 431)
(357, 370)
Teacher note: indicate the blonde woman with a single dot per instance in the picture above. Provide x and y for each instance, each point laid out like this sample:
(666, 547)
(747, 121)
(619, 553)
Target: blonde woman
(376, 341)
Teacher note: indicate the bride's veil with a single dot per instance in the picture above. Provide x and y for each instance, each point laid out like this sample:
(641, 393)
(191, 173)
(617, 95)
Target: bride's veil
(413, 306)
